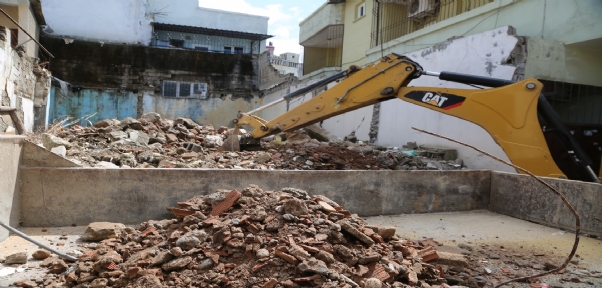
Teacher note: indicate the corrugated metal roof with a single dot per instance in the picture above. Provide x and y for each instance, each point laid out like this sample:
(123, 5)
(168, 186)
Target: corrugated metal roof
(210, 31)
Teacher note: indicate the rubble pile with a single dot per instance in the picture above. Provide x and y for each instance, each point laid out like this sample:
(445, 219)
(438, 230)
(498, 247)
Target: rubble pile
(153, 142)
(252, 238)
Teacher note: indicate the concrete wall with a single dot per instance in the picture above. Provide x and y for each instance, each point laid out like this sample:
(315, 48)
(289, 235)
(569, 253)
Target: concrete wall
(327, 14)
(555, 61)
(135, 67)
(188, 12)
(96, 105)
(83, 196)
(108, 20)
(522, 197)
(10, 149)
(480, 54)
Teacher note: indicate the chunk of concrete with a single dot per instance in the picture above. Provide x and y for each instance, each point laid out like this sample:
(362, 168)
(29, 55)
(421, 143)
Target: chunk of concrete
(151, 117)
(59, 150)
(51, 141)
(17, 258)
(98, 231)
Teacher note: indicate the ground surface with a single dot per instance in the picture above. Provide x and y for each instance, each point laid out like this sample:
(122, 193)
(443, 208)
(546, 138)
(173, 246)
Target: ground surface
(487, 232)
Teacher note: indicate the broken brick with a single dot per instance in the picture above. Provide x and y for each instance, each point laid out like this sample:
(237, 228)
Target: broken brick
(228, 202)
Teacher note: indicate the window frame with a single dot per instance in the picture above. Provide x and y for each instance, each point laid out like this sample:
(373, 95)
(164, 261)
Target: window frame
(360, 10)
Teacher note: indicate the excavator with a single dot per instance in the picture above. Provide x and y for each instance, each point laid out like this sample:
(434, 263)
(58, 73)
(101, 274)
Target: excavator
(516, 115)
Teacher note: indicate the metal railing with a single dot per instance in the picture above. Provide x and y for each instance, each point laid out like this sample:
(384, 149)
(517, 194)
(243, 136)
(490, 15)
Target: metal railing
(276, 60)
(395, 18)
(206, 43)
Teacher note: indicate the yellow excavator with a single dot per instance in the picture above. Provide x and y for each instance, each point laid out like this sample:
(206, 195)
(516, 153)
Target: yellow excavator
(513, 113)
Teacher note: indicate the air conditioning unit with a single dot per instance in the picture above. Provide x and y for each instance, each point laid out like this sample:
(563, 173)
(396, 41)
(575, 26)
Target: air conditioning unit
(422, 8)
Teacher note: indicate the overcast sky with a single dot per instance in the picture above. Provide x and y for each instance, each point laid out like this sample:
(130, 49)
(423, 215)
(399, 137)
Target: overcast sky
(285, 16)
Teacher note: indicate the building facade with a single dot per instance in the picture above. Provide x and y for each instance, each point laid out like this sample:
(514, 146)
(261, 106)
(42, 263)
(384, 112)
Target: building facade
(174, 58)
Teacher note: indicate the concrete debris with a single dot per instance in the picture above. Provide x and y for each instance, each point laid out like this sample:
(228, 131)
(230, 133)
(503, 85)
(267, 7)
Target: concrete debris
(221, 240)
(41, 254)
(98, 231)
(17, 258)
(154, 142)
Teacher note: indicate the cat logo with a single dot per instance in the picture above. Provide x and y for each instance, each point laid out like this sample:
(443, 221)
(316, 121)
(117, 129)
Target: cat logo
(443, 100)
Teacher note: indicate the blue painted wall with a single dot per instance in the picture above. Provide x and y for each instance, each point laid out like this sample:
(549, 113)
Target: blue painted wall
(110, 104)
(106, 104)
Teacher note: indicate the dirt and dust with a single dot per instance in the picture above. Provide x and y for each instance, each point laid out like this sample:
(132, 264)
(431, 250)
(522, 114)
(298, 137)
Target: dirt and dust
(153, 142)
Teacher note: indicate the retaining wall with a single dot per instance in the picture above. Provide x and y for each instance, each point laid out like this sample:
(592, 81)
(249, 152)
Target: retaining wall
(66, 196)
(10, 154)
(522, 197)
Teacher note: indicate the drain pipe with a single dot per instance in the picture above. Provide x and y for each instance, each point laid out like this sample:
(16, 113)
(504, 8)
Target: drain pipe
(24, 236)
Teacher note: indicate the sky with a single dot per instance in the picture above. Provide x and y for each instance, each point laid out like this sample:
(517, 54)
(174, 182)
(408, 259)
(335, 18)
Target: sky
(285, 16)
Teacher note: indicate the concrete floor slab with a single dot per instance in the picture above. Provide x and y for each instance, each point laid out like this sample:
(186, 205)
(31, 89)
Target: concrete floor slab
(481, 229)
(488, 231)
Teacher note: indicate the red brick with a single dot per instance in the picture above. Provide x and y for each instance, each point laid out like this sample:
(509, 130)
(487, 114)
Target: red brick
(222, 207)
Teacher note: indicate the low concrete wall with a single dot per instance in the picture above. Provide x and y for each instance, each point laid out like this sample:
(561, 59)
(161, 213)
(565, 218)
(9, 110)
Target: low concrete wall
(36, 156)
(10, 154)
(65, 196)
(522, 197)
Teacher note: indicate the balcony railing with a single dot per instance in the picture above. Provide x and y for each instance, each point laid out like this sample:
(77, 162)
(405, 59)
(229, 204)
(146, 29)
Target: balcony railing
(395, 18)
(275, 60)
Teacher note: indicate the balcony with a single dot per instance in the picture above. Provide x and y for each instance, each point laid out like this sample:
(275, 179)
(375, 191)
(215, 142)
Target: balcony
(396, 18)
(321, 35)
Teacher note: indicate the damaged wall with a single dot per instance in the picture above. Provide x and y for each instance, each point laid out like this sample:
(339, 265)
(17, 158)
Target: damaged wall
(484, 54)
(555, 61)
(118, 81)
(95, 105)
(22, 82)
(92, 65)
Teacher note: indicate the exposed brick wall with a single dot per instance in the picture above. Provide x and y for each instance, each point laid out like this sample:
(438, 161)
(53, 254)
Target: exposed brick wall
(133, 67)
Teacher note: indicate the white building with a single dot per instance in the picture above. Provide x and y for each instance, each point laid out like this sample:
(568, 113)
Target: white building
(160, 23)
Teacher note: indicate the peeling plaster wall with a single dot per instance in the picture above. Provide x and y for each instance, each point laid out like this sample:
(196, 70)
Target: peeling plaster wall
(483, 54)
(107, 20)
(95, 105)
(18, 82)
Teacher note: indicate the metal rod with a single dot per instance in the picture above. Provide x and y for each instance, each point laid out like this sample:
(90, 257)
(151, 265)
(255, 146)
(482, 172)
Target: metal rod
(32, 38)
(24, 236)
(266, 106)
(301, 91)
(430, 73)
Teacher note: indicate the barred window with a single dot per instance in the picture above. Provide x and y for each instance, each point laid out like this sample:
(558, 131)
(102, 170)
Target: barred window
(178, 89)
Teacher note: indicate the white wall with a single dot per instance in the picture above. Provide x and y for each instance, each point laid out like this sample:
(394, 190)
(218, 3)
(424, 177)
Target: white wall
(188, 12)
(480, 54)
(107, 20)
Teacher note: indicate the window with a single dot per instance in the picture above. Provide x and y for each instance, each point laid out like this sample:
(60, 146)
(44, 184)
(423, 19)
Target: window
(201, 47)
(227, 49)
(176, 43)
(237, 50)
(177, 89)
(361, 10)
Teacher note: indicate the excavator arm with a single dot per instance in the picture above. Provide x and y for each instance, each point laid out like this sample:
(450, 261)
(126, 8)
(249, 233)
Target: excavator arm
(508, 111)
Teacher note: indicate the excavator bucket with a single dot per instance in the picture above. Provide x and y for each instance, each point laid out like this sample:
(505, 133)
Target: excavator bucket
(232, 143)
